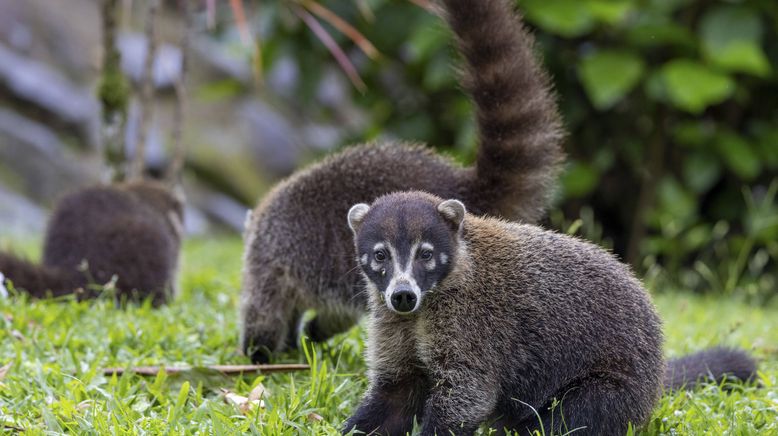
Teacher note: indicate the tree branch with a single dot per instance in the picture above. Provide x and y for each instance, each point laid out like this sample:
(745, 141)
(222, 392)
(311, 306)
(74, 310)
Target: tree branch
(146, 92)
(179, 117)
(113, 92)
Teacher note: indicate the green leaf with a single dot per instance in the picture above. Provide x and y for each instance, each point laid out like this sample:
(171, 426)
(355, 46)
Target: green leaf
(744, 57)
(667, 6)
(694, 133)
(427, 40)
(701, 171)
(608, 76)
(768, 146)
(675, 201)
(693, 87)
(609, 11)
(567, 18)
(579, 179)
(652, 31)
(738, 155)
(731, 38)
(438, 73)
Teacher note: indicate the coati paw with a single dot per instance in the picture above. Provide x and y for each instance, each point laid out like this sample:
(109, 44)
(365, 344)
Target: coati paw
(258, 355)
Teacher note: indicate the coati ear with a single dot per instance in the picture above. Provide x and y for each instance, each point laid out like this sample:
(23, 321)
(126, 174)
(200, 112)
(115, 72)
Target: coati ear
(356, 215)
(453, 211)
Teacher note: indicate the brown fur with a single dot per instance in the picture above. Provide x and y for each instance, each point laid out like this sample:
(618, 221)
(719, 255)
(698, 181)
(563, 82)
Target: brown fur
(521, 317)
(128, 231)
(297, 254)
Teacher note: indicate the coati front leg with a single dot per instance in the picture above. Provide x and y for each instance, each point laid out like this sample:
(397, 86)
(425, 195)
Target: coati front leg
(328, 323)
(399, 385)
(268, 313)
(389, 407)
(459, 404)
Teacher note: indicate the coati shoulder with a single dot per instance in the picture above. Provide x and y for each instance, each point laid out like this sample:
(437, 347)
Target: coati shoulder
(478, 320)
(519, 156)
(130, 232)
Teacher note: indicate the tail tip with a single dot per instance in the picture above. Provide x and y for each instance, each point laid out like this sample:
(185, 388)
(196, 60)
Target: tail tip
(717, 364)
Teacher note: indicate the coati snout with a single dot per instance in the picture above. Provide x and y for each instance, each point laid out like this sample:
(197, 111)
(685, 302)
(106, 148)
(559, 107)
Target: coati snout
(404, 259)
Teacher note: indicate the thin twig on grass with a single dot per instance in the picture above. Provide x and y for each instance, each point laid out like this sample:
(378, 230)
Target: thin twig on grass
(224, 369)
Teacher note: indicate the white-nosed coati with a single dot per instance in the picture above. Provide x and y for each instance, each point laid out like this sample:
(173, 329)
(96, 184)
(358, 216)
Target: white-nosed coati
(297, 254)
(478, 320)
(129, 231)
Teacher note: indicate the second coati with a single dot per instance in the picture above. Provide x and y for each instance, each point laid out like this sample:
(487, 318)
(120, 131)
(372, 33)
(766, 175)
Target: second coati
(130, 232)
(479, 320)
(297, 255)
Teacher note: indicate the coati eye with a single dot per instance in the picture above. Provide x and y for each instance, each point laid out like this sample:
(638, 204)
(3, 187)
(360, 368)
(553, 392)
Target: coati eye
(380, 256)
(425, 254)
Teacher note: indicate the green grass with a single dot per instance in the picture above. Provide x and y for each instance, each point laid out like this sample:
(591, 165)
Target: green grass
(56, 350)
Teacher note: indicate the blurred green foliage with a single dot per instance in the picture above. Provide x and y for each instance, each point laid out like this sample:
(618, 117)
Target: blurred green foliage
(671, 105)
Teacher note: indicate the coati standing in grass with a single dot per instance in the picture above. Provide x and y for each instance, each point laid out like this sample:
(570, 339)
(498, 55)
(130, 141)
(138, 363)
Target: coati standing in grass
(131, 231)
(476, 320)
(298, 255)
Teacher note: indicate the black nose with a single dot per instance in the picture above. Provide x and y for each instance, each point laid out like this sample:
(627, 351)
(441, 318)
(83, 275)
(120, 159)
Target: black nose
(403, 300)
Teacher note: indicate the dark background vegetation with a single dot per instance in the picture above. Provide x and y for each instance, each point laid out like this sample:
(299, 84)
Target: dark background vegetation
(671, 106)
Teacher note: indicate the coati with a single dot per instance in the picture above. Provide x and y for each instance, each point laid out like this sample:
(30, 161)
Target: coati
(478, 320)
(297, 251)
(130, 231)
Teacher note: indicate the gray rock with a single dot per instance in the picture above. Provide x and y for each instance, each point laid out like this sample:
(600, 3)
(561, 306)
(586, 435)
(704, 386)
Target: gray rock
(195, 222)
(156, 156)
(227, 211)
(42, 163)
(223, 60)
(333, 90)
(49, 91)
(61, 34)
(166, 69)
(19, 217)
(272, 137)
(322, 137)
(284, 76)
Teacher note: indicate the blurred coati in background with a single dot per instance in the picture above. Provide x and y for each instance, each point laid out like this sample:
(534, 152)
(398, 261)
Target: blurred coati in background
(478, 320)
(298, 252)
(128, 231)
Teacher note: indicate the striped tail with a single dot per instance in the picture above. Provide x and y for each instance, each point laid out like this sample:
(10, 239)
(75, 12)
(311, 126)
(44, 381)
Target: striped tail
(520, 130)
(714, 364)
(36, 280)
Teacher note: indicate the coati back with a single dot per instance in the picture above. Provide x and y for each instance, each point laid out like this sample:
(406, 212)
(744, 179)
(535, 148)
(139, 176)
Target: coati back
(297, 254)
(129, 231)
(478, 320)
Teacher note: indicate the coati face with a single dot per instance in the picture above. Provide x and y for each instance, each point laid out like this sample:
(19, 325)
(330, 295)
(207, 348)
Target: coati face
(406, 244)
